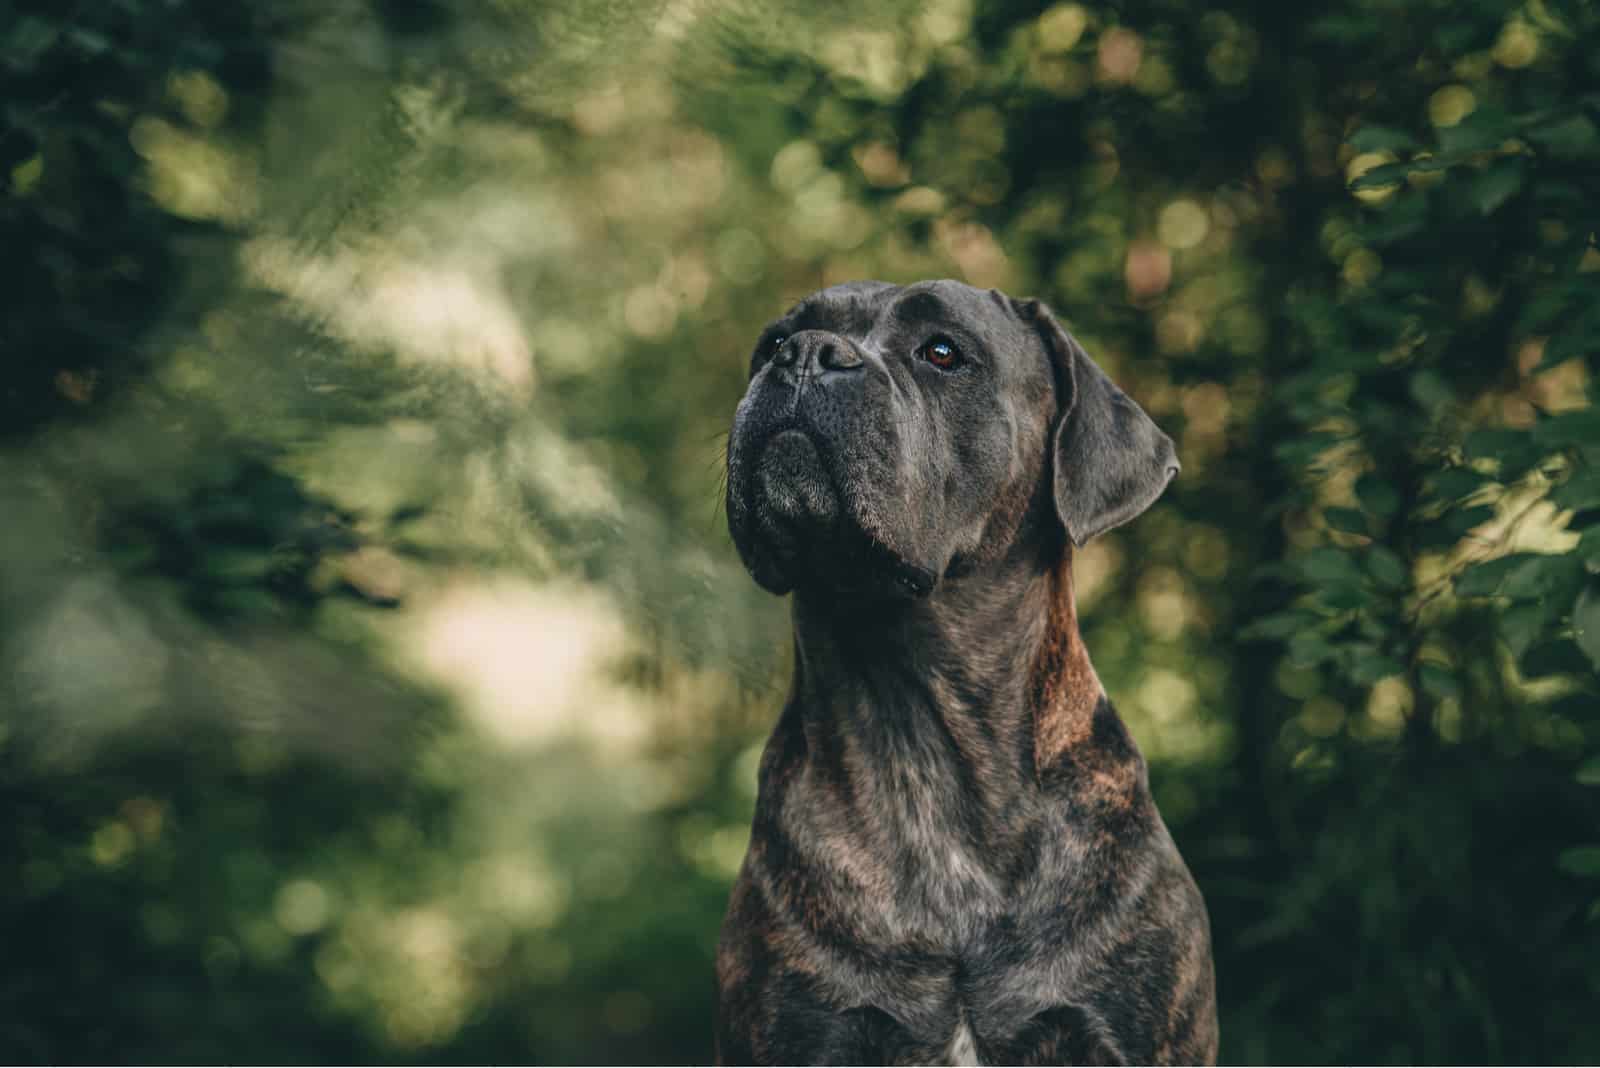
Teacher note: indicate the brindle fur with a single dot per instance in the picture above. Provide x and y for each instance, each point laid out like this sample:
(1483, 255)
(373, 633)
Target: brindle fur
(954, 834)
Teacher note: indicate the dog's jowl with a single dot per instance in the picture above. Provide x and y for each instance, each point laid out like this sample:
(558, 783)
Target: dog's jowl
(955, 857)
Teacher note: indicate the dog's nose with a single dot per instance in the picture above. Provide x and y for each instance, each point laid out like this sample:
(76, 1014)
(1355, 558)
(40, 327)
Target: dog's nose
(812, 352)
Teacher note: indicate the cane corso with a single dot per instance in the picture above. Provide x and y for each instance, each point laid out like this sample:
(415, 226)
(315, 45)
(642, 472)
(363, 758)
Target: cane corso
(955, 857)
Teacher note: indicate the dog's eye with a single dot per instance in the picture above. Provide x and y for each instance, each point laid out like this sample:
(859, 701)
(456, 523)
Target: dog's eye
(777, 343)
(940, 353)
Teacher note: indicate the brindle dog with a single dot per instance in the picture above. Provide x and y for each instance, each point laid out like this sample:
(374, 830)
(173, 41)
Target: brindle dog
(955, 856)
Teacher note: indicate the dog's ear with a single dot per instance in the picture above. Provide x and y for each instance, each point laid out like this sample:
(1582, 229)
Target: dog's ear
(1109, 460)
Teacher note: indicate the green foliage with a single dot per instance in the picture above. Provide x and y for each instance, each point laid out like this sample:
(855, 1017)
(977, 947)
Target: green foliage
(377, 682)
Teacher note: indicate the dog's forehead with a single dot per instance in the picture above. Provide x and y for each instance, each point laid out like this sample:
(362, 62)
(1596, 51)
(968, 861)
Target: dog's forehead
(857, 308)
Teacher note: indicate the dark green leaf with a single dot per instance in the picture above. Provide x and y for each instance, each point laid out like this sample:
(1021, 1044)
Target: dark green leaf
(1347, 520)
(1430, 390)
(1385, 174)
(1484, 579)
(1438, 681)
(1386, 567)
(1344, 598)
(1578, 492)
(1513, 450)
(1581, 860)
(1558, 656)
(1567, 138)
(1456, 482)
(1369, 669)
(1581, 427)
(1496, 185)
(1523, 623)
(1375, 138)
(1276, 627)
(1460, 520)
(1586, 623)
(1589, 771)
(1377, 495)
(1308, 649)
(1329, 565)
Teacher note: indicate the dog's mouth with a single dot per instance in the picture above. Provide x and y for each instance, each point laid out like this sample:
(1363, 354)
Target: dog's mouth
(794, 493)
(805, 532)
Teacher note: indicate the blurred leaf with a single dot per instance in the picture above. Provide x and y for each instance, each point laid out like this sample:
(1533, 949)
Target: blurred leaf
(1589, 771)
(1277, 627)
(1569, 138)
(1481, 131)
(1581, 490)
(1586, 623)
(1385, 174)
(1460, 520)
(1328, 565)
(1514, 450)
(1496, 185)
(1307, 649)
(1581, 860)
(1377, 495)
(1522, 624)
(1457, 482)
(1376, 138)
(1486, 579)
(1569, 428)
(1386, 567)
(1348, 520)
(1558, 656)
(1370, 669)
(1439, 681)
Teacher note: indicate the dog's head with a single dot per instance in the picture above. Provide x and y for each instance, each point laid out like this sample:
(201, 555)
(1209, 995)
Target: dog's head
(892, 435)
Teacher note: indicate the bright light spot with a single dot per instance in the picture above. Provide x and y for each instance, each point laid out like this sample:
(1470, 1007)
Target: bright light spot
(650, 311)
(531, 664)
(871, 57)
(1448, 106)
(795, 164)
(1164, 603)
(92, 659)
(946, 22)
(1361, 267)
(203, 101)
(920, 200)
(1179, 331)
(880, 164)
(1062, 26)
(301, 907)
(1119, 55)
(111, 844)
(190, 176)
(973, 247)
(1183, 224)
(600, 112)
(1166, 696)
(1322, 717)
(1148, 270)
(1361, 165)
(1093, 567)
(424, 310)
(1391, 699)
(1518, 45)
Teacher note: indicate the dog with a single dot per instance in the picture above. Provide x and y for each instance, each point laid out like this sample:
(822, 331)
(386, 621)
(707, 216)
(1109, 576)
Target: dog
(955, 857)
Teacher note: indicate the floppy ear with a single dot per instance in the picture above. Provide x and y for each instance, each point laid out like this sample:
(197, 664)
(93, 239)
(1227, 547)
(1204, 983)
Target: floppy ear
(1109, 459)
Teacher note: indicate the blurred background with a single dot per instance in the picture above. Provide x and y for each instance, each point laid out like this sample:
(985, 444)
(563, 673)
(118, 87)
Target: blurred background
(377, 679)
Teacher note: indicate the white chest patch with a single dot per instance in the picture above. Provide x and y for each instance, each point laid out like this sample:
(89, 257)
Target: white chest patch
(963, 1049)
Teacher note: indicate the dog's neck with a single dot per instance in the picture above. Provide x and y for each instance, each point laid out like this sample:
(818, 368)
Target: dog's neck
(988, 675)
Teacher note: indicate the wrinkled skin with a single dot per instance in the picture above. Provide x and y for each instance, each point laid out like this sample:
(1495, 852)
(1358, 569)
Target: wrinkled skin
(955, 856)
